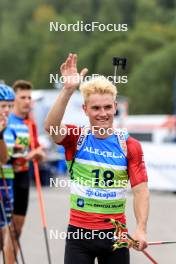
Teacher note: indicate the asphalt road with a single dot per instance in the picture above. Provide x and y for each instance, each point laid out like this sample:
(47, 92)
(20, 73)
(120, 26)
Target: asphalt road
(161, 226)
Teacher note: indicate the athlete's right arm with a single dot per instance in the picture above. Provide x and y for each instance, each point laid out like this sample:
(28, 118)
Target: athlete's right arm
(71, 82)
(3, 152)
(3, 146)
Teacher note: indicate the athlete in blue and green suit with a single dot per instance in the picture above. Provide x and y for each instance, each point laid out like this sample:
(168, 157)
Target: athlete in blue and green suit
(7, 97)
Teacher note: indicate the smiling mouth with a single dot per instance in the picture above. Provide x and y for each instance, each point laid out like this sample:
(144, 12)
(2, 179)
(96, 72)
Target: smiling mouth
(102, 120)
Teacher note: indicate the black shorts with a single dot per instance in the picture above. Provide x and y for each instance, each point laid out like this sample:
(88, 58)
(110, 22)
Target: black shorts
(21, 193)
(82, 249)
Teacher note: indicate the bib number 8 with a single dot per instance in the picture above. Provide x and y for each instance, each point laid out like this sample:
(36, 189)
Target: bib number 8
(107, 177)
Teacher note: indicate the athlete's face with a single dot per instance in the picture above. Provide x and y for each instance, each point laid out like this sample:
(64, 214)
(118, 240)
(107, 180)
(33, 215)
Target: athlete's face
(100, 109)
(23, 101)
(6, 107)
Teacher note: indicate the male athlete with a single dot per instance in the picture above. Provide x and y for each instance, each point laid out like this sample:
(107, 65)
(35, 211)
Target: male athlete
(101, 160)
(3, 147)
(7, 143)
(19, 122)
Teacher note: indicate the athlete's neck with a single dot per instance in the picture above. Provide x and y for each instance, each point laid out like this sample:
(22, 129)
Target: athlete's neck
(97, 135)
(102, 132)
(19, 114)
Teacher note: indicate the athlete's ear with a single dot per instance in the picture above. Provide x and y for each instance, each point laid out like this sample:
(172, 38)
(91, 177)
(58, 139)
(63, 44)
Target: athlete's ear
(84, 107)
(115, 105)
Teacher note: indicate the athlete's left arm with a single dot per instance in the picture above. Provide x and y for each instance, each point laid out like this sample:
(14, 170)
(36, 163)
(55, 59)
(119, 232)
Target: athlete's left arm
(138, 179)
(141, 211)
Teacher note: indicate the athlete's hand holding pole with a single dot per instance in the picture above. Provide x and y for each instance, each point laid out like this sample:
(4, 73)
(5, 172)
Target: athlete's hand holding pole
(40, 196)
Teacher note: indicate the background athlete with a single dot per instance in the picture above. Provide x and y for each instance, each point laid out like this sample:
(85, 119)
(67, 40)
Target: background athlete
(7, 139)
(19, 121)
(3, 147)
(101, 158)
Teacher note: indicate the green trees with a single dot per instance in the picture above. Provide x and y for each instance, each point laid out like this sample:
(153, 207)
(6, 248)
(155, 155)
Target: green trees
(151, 84)
(28, 50)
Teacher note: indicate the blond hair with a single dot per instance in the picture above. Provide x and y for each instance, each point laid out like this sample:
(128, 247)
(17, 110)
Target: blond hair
(100, 85)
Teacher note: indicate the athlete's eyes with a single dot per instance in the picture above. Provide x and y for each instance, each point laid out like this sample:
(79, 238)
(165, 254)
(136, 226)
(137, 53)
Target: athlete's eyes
(11, 106)
(95, 107)
(107, 107)
(3, 106)
(25, 97)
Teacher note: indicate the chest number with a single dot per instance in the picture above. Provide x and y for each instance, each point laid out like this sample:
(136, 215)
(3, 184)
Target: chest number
(23, 141)
(107, 178)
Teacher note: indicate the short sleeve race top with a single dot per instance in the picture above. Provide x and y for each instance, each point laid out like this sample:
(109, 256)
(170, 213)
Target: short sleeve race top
(99, 177)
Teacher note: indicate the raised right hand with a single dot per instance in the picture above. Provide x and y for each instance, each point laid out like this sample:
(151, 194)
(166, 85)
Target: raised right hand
(70, 73)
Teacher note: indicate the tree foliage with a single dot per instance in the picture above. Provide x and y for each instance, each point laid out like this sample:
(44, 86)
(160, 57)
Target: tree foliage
(30, 51)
